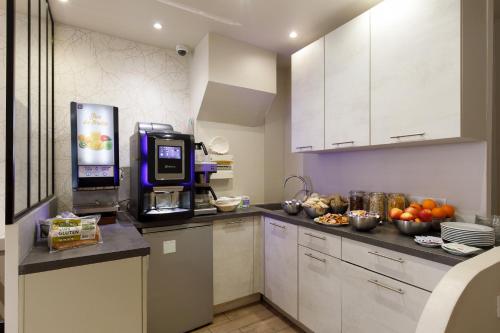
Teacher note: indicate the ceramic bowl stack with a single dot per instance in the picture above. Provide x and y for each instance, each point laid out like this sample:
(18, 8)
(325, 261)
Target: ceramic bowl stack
(468, 234)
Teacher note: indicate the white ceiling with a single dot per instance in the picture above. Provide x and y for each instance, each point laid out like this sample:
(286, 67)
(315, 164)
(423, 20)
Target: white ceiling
(265, 23)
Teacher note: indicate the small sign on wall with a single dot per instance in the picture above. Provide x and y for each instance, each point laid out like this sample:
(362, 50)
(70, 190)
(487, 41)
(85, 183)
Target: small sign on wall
(169, 247)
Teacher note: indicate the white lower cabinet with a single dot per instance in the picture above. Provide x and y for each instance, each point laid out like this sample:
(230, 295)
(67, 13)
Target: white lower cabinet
(281, 265)
(104, 297)
(233, 259)
(320, 297)
(375, 303)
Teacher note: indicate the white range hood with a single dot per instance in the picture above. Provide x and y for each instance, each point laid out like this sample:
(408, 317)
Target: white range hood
(232, 81)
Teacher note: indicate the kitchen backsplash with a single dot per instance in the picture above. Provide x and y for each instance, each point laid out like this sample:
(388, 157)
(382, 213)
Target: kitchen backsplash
(147, 84)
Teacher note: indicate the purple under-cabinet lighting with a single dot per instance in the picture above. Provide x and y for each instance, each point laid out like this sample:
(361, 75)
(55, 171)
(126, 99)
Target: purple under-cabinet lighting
(144, 160)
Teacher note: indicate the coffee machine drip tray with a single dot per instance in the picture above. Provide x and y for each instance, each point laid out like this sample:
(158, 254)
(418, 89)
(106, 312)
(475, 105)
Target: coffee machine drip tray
(205, 211)
(165, 211)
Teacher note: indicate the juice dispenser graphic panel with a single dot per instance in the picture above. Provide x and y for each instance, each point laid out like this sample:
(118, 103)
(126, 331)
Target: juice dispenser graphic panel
(94, 145)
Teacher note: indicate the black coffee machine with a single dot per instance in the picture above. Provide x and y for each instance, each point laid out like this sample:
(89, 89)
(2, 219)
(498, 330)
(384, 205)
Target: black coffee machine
(203, 170)
(162, 173)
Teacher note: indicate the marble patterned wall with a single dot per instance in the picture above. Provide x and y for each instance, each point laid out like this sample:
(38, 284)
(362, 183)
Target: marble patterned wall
(146, 83)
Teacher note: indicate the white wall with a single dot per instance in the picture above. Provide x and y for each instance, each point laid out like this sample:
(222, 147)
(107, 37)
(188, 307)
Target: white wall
(18, 242)
(146, 83)
(247, 147)
(496, 119)
(274, 139)
(152, 84)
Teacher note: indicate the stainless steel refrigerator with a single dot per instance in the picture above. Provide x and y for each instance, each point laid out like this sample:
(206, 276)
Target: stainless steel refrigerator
(180, 277)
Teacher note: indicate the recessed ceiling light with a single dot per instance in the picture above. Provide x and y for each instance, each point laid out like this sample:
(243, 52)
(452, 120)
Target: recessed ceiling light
(157, 26)
(63, 0)
(293, 34)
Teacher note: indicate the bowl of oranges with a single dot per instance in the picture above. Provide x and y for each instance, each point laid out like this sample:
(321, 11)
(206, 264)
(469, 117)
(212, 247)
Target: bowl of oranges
(426, 211)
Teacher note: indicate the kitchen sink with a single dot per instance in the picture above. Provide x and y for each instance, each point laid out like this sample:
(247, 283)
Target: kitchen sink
(270, 206)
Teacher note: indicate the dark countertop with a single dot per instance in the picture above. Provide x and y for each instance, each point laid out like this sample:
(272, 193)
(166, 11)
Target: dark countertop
(120, 240)
(386, 236)
(123, 240)
(241, 212)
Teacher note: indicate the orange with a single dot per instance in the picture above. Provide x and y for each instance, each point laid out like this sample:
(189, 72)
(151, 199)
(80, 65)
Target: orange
(416, 205)
(449, 210)
(429, 204)
(438, 213)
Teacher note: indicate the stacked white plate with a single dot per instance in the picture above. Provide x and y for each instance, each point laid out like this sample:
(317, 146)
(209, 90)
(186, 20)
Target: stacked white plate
(468, 234)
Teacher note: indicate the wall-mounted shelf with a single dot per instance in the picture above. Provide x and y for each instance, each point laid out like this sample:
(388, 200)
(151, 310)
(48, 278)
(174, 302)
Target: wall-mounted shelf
(225, 164)
(223, 174)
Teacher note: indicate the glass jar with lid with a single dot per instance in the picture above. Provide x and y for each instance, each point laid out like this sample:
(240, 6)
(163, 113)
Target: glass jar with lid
(377, 204)
(356, 200)
(395, 200)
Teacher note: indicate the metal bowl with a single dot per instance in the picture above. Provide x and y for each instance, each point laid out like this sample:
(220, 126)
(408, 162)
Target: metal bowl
(413, 228)
(363, 223)
(340, 209)
(292, 207)
(313, 212)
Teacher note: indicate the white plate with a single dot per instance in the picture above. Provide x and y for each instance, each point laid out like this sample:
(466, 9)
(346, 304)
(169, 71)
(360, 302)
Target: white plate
(329, 225)
(469, 237)
(428, 244)
(219, 145)
(453, 249)
(466, 226)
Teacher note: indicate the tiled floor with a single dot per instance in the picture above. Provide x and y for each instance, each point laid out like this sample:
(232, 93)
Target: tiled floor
(255, 318)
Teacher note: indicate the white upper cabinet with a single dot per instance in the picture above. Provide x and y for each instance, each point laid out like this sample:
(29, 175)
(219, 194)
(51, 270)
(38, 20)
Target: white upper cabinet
(308, 103)
(347, 84)
(416, 71)
(406, 71)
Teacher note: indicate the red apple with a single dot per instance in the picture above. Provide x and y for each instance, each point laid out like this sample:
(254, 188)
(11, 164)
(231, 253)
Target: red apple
(412, 210)
(425, 215)
(407, 216)
(395, 213)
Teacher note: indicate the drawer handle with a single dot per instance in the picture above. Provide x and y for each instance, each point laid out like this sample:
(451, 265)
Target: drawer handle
(279, 226)
(315, 236)
(342, 143)
(407, 135)
(376, 282)
(304, 147)
(375, 253)
(314, 257)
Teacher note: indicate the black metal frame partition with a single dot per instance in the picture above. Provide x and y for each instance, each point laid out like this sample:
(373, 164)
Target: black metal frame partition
(10, 191)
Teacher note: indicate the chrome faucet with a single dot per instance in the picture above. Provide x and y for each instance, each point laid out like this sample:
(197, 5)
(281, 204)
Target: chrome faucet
(305, 189)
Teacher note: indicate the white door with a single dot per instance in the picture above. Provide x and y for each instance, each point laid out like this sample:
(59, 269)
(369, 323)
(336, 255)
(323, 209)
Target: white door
(320, 295)
(308, 105)
(233, 259)
(281, 265)
(347, 84)
(415, 70)
(375, 303)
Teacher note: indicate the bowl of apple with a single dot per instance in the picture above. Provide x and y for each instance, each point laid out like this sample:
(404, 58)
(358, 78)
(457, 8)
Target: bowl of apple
(412, 221)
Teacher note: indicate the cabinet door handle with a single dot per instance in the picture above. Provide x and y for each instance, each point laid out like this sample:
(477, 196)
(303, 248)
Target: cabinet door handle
(342, 143)
(314, 257)
(377, 283)
(279, 226)
(407, 135)
(304, 147)
(315, 236)
(375, 253)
